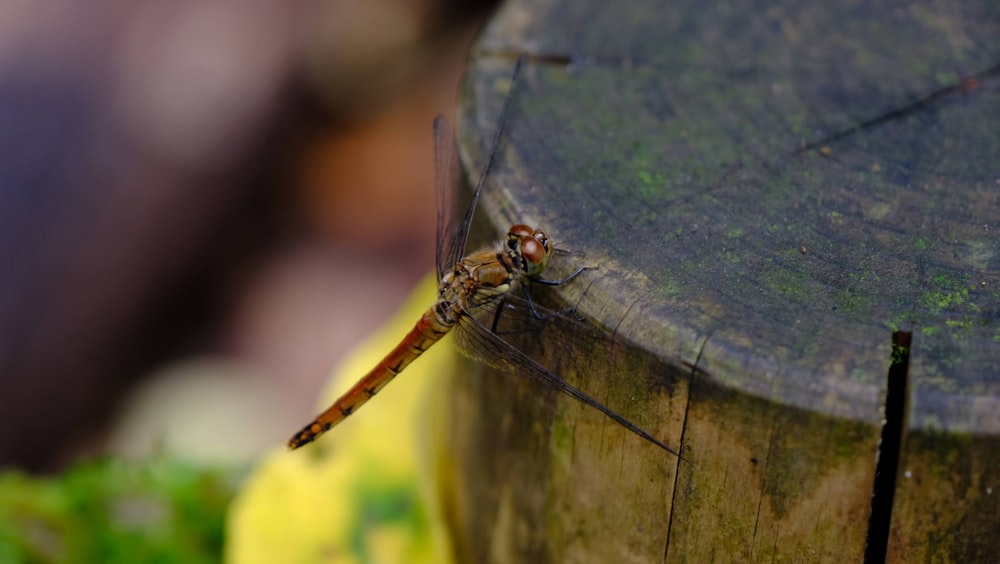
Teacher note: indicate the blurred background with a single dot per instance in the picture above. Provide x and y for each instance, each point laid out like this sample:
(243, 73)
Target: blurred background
(202, 206)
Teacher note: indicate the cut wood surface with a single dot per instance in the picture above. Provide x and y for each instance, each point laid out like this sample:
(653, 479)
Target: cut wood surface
(770, 191)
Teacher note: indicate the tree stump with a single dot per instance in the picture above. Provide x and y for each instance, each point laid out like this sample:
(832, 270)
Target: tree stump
(795, 211)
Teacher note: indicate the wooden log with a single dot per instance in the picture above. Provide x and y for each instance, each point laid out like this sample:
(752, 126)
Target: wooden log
(771, 193)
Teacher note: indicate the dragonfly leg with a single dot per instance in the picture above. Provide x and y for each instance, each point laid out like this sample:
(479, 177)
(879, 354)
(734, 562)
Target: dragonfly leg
(542, 316)
(503, 305)
(564, 280)
(496, 314)
(531, 304)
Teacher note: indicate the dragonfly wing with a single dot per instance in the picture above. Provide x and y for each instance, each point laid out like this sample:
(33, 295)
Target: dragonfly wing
(492, 349)
(446, 176)
(452, 237)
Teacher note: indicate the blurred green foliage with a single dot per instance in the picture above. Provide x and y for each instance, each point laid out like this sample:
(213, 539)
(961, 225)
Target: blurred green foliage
(115, 511)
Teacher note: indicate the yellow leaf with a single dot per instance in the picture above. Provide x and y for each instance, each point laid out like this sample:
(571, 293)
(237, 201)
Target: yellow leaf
(365, 491)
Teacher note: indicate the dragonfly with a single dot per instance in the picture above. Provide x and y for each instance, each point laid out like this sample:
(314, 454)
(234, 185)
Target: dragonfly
(469, 284)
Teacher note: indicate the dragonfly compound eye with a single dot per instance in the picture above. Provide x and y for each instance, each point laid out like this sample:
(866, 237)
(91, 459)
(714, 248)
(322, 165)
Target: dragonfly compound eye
(515, 234)
(519, 230)
(535, 255)
(540, 236)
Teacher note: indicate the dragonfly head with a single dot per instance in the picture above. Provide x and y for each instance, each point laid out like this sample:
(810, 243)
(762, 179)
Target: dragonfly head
(530, 248)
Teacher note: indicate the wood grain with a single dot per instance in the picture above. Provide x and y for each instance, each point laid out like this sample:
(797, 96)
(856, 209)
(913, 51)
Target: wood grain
(769, 191)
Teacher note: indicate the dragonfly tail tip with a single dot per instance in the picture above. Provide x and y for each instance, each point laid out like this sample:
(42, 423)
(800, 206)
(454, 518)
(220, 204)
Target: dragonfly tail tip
(300, 439)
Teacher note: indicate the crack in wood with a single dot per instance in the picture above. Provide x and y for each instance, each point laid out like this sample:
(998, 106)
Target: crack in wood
(884, 487)
(965, 84)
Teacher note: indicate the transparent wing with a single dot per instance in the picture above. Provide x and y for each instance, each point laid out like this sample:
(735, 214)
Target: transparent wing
(489, 347)
(452, 237)
(446, 176)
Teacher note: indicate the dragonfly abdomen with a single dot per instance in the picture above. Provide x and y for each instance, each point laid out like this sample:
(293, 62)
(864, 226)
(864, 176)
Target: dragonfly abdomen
(428, 330)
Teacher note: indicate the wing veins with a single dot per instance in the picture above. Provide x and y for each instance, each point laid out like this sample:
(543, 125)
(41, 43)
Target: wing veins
(524, 365)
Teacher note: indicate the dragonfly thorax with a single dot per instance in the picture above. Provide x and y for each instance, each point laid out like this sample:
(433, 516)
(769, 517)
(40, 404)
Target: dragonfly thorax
(528, 248)
(484, 276)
